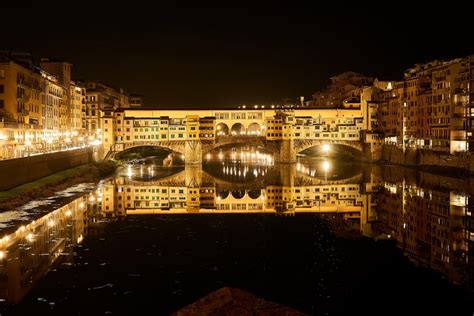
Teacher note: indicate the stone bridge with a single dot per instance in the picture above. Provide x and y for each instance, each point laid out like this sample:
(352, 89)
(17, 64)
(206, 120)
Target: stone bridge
(285, 150)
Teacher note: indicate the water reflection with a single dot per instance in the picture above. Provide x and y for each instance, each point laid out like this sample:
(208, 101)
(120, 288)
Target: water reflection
(245, 163)
(30, 251)
(433, 225)
(429, 217)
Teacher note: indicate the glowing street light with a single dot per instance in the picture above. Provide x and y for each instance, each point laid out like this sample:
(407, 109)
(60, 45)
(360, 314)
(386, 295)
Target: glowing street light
(326, 148)
(326, 166)
(96, 142)
(30, 237)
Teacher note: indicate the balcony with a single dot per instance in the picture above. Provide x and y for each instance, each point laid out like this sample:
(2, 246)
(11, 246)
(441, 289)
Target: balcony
(459, 115)
(23, 112)
(460, 91)
(459, 128)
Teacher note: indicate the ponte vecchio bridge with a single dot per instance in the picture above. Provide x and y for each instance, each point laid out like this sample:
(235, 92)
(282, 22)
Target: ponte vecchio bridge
(194, 133)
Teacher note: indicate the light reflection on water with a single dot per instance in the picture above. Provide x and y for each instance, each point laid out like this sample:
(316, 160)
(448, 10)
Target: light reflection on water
(428, 217)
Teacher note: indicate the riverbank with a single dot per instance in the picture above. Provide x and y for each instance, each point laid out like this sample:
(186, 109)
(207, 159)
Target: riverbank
(46, 186)
(16, 172)
(428, 160)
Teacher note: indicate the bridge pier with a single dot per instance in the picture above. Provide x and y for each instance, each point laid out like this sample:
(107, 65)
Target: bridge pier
(371, 152)
(287, 174)
(285, 151)
(193, 152)
(193, 176)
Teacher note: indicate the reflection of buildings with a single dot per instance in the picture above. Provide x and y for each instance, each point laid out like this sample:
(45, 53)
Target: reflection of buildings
(433, 227)
(292, 193)
(30, 251)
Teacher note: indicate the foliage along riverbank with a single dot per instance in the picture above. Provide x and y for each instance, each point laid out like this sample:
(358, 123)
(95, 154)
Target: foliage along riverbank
(46, 186)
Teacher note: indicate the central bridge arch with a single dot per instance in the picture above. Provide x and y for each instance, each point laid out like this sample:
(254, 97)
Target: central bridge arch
(233, 140)
(301, 145)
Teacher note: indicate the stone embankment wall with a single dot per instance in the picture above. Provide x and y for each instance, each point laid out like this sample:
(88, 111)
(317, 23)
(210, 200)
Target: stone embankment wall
(427, 158)
(15, 172)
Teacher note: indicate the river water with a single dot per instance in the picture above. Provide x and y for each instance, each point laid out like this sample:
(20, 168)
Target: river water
(320, 236)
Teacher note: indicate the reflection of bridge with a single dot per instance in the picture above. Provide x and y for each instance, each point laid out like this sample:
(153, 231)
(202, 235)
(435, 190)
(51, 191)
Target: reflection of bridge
(303, 144)
(193, 190)
(286, 133)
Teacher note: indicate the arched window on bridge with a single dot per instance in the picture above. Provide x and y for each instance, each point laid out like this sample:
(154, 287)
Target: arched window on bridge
(237, 130)
(254, 129)
(222, 129)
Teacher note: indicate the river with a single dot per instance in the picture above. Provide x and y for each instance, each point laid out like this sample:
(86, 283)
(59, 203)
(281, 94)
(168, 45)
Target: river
(321, 236)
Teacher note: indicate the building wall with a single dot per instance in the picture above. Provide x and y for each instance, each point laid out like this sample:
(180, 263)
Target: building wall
(431, 108)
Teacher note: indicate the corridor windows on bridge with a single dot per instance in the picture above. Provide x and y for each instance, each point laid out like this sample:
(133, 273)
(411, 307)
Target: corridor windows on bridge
(238, 116)
(222, 116)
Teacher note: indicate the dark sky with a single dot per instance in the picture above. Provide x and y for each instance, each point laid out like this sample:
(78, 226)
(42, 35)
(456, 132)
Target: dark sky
(212, 57)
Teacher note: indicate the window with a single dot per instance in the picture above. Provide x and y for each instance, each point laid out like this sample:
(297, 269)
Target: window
(222, 116)
(2, 88)
(2, 73)
(2, 104)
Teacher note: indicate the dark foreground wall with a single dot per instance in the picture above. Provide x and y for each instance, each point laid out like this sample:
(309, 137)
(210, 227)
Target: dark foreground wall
(19, 171)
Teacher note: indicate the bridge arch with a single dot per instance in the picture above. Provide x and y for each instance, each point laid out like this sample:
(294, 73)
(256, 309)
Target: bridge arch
(254, 129)
(222, 194)
(254, 194)
(328, 147)
(222, 129)
(238, 194)
(173, 148)
(237, 129)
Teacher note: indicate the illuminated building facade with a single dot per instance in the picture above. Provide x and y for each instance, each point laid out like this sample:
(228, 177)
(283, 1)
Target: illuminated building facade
(343, 89)
(431, 108)
(33, 108)
(205, 129)
(101, 97)
(43, 110)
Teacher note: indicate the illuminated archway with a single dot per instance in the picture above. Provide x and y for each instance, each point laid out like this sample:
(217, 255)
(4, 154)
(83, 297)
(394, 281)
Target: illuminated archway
(222, 129)
(222, 194)
(254, 129)
(254, 194)
(238, 194)
(237, 130)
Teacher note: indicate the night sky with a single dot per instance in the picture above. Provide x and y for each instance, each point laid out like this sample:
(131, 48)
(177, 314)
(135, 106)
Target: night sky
(216, 57)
